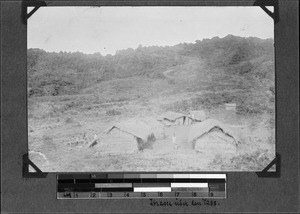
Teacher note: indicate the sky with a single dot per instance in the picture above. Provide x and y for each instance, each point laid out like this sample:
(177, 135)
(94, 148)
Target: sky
(108, 29)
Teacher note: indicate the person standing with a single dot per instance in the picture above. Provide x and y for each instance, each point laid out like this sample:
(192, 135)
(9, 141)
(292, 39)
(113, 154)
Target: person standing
(174, 141)
(189, 116)
(193, 119)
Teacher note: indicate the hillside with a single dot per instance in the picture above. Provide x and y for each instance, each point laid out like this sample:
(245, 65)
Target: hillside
(211, 65)
(234, 54)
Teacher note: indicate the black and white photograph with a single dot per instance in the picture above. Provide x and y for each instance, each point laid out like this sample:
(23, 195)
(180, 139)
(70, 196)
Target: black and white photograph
(155, 89)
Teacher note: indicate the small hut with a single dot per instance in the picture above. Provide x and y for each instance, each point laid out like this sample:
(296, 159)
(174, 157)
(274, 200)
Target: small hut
(172, 118)
(211, 136)
(230, 106)
(126, 137)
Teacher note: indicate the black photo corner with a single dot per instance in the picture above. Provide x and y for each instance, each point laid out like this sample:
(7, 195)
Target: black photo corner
(30, 186)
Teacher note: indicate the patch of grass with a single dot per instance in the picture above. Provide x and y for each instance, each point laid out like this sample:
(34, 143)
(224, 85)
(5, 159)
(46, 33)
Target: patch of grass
(271, 140)
(179, 106)
(248, 161)
(256, 160)
(171, 81)
(272, 122)
(68, 120)
(48, 143)
(118, 99)
(47, 138)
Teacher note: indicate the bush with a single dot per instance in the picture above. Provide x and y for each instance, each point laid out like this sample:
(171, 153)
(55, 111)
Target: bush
(171, 81)
(68, 120)
(246, 68)
(272, 89)
(249, 109)
(148, 144)
(151, 138)
(113, 112)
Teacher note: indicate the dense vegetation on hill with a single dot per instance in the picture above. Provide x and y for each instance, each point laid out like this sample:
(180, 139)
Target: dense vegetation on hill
(64, 73)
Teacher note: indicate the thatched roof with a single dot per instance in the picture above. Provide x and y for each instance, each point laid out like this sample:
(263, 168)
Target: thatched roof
(156, 126)
(172, 116)
(150, 121)
(198, 115)
(137, 129)
(206, 126)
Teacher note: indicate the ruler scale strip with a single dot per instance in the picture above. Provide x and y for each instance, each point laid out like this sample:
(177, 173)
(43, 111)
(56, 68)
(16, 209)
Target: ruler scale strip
(132, 185)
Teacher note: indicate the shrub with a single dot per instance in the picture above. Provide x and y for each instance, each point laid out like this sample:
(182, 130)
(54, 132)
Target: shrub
(171, 81)
(113, 112)
(249, 109)
(246, 68)
(147, 144)
(151, 138)
(68, 120)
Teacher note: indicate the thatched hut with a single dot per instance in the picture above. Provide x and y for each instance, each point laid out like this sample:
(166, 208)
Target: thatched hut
(212, 136)
(126, 137)
(173, 118)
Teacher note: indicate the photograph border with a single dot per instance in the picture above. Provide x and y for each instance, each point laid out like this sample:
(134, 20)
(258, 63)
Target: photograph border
(246, 191)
